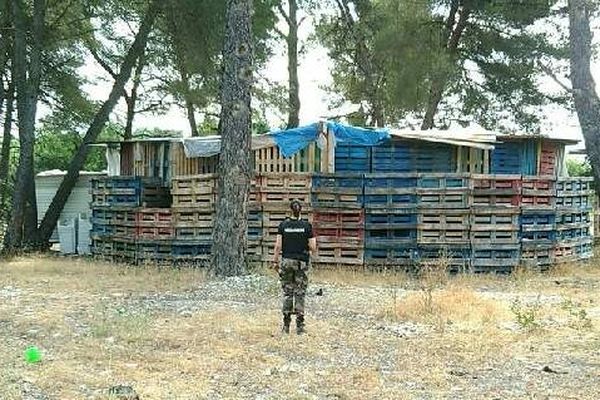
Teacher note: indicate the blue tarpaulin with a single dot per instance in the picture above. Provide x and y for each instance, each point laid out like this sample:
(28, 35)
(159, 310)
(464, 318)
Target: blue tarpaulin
(357, 136)
(291, 141)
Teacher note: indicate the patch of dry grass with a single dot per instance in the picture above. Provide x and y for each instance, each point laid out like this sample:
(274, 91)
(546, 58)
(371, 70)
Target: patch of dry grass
(78, 312)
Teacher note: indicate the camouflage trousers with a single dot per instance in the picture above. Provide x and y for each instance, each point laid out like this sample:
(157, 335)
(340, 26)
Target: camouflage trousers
(294, 281)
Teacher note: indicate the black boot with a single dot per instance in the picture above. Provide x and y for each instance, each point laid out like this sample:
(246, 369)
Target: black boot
(300, 324)
(287, 318)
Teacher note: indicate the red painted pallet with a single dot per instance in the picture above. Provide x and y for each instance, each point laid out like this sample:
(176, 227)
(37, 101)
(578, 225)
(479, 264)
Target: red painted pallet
(154, 217)
(155, 232)
(538, 186)
(498, 185)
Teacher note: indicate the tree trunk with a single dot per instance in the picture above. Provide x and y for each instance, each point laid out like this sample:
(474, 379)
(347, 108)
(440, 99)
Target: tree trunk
(585, 97)
(438, 83)
(5, 28)
(132, 99)
(58, 202)
(189, 105)
(6, 143)
(292, 50)
(22, 226)
(230, 231)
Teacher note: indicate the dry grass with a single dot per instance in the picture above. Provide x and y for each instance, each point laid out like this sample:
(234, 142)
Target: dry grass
(81, 314)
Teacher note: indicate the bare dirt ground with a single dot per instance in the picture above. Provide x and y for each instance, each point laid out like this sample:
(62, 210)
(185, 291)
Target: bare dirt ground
(178, 334)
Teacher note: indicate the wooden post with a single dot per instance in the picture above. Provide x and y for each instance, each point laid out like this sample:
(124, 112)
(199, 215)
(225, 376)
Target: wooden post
(486, 161)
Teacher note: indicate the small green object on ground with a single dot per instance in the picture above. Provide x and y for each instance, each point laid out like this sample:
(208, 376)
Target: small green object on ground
(33, 355)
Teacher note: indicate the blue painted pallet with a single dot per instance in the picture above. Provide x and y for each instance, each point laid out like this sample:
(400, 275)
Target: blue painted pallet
(568, 234)
(338, 181)
(391, 218)
(192, 250)
(444, 181)
(392, 256)
(507, 158)
(350, 158)
(389, 200)
(393, 236)
(537, 221)
(573, 202)
(392, 157)
(538, 237)
(497, 259)
(390, 181)
(102, 230)
(433, 158)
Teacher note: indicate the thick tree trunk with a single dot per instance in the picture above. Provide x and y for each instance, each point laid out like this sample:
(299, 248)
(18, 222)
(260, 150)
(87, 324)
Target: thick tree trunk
(230, 236)
(132, 99)
(6, 143)
(292, 50)
(22, 225)
(438, 83)
(58, 202)
(585, 97)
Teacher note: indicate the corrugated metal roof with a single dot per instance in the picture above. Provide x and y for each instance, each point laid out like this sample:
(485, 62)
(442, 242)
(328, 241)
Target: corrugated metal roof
(477, 138)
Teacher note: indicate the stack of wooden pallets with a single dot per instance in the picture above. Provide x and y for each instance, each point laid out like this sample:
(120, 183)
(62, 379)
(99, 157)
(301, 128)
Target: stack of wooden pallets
(390, 202)
(443, 202)
(573, 219)
(338, 219)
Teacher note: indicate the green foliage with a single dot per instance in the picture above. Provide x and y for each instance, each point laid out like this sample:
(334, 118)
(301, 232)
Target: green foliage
(55, 148)
(386, 53)
(526, 315)
(579, 168)
(580, 319)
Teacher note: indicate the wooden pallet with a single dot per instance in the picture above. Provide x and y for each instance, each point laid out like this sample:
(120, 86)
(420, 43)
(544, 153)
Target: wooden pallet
(283, 198)
(390, 183)
(499, 236)
(490, 218)
(118, 200)
(573, 202)
(489, 256)
(336, 200)
(193, 233)
(538, 221)
(154, 250)
(195, 200)
(191, 251)
(537, 256)
(194, 184)
(393, 218)
(125, 231)
(154, 217)
(297, 182)
(338, 183)
(332, 218)
(338, 232)
(496, 200)
(443, 236)
(436, 182)
(538, 202)
(389, 201)
(340, 252)
(116, 182)
(399, 237)
(190, 217)
(563, 234)
(538, 237)
(572, 220)
(443, 219)
(538, 186)
(574, 186)
(496, 185)
(446, 199)
(155, 232)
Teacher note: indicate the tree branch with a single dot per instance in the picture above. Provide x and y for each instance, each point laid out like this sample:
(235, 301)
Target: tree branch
(280, 33)
(283, 13)
(548, 71)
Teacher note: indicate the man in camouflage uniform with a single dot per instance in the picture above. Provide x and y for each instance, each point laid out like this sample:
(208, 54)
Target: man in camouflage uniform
(295, 240)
